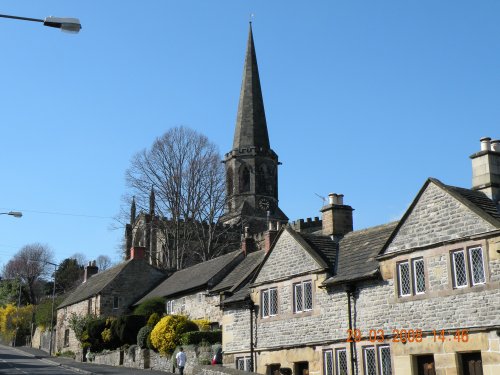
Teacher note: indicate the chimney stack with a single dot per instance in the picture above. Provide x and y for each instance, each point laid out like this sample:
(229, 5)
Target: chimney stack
(337, 217)
(90, 269)
(247, 243)
(486, 169)
(137, 252)
(270, 235)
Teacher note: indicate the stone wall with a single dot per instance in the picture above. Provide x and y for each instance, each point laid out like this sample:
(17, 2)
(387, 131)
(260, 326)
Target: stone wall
(235, 331)
(199, 306)
(135, 357)
(437, 217)
(287, 259)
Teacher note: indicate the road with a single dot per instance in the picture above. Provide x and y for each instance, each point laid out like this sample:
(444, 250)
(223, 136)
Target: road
(24, 360)
(14, 362)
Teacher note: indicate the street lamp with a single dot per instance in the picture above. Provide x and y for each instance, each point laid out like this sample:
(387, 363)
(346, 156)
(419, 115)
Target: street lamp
(70, 25)
(53, 301)
(12, 213)
(52, 310)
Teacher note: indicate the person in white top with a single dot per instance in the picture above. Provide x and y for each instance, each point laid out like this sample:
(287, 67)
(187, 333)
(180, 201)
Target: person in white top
(181, 360)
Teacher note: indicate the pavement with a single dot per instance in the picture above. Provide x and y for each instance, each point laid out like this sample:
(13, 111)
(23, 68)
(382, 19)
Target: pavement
(81, 367)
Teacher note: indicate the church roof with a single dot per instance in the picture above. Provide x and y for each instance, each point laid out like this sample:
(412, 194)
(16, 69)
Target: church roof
(251, 126)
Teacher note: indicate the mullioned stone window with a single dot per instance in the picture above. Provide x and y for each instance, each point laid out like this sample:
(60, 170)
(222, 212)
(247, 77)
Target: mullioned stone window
(467, 267)
(269, 302)
(411, 277)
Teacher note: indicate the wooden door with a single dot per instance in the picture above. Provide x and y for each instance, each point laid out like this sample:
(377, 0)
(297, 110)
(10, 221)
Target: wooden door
(425, 365)
(472, 363)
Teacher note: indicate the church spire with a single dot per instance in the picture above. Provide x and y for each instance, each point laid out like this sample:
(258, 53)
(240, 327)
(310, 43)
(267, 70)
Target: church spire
(132, 211)
(251, 126)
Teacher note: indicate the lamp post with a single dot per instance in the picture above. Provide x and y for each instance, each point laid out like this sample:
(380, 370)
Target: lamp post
(12, 213)
(52, 310)
(70, 25)
(53, 301)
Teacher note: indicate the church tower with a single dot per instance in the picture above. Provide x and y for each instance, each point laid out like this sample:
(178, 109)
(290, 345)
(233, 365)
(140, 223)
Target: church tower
(251, 166)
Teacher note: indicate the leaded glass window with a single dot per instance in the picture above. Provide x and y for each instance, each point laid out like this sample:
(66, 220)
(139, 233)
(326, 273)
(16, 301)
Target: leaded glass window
(269, 299)
(273, 301)
(385, 360)
(265, 303)
(307, 295)
(369, 360)
(298, 297)
(419, 276)
(341, 355)
(459, 270)
(404, 279)
(477, 265)
(302, 296)
(327, 362)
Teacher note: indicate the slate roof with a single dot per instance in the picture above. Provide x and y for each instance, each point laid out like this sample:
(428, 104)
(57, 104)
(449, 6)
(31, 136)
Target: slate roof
(193, 277)
(241, 273)
(242, 294)
(322, 248)
(94, 284)
(475, 200)
(357, 253)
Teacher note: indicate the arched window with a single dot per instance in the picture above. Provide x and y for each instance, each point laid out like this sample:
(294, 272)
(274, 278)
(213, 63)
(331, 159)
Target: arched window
(261, 180)
(244, 179)
(229, 181)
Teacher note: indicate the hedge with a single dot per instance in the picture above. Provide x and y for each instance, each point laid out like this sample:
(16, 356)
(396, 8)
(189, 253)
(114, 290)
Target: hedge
(196, 337)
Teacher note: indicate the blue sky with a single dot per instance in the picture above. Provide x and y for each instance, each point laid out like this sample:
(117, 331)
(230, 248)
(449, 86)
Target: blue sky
(365, 98)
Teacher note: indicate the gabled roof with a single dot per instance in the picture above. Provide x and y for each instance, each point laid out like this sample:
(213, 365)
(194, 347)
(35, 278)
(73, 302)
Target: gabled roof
(241, 273)
(194, 277)
(96, 283)
(357, 253)
(477, 201)
(321, 248)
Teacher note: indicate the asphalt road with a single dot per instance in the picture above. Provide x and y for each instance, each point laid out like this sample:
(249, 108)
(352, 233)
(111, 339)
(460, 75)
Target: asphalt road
(25, 360)
(14, 362)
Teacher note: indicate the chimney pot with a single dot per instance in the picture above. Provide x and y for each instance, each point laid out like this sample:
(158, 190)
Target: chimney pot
(332, 198)
(340, 199)
(495, 145)
(485, 143)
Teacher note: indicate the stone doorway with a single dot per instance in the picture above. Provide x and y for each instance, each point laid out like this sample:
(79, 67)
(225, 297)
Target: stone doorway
(471, 363)
(425, 364)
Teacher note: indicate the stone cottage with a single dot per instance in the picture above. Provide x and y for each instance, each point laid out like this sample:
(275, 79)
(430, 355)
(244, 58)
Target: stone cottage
(187, 291)
(418, 296)
(107, 293)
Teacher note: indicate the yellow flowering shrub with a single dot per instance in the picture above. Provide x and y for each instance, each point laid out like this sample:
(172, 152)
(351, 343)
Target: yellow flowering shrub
(203, 324)
(166, 334)
(11, 318)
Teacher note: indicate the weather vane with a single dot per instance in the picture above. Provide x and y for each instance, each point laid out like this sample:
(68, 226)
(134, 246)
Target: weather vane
(252, 16)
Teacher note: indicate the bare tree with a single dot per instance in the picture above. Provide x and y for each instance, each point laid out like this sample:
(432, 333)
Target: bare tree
(30, 264)
(184, 170)
(103, 262)
(80, 258)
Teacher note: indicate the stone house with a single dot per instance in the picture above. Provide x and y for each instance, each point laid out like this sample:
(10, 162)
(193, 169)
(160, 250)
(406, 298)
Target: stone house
(187, 291)
(418, 296)
(107, 293)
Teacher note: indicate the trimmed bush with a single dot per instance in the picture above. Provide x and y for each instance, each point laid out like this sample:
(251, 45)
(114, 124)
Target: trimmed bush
(150, 306)
(143, 336)
(196, 338)
(166, 335)
(154, 319)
